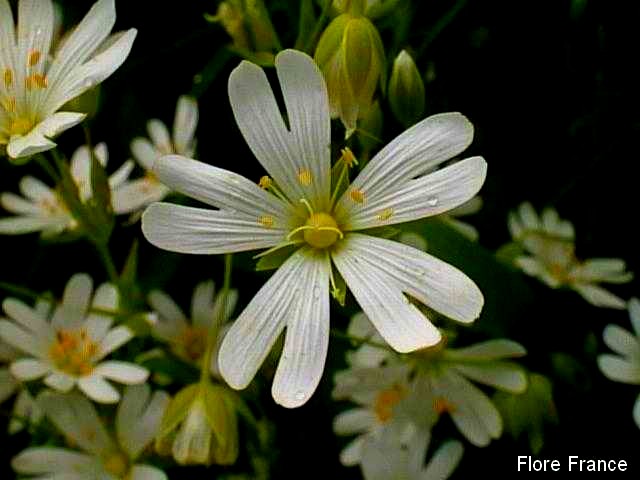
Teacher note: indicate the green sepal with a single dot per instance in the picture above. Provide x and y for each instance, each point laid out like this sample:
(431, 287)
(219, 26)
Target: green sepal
(273, 260)
(339, 293)
(177, 410)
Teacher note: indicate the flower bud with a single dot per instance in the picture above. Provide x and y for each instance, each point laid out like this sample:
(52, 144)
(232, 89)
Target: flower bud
(406, 90)
(351, 56)
(200, 426)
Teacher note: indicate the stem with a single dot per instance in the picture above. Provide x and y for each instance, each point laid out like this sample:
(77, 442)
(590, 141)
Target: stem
(212, 339)
(360, 340)
(109, 265)
(440, 26)
(50, 171)
(318, 27)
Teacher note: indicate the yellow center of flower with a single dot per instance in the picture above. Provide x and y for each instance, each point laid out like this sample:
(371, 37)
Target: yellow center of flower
(386, 401)
(117, 465)
(323, 231)
(20, 126)
(442, 405)
(193, 342)
(73, 352)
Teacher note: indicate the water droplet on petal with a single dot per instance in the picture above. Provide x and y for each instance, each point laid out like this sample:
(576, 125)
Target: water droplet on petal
(432, 201)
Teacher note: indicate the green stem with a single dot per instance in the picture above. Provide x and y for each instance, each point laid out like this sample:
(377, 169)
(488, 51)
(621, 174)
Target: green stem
(440, 26)
(109, 265)
(46, 166)
(360, 340)
(212, 339)
(318, 27)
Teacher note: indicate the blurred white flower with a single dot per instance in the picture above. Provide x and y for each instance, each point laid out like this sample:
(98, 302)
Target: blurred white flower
(296, 208)
(43, 209)
(68, 349)
(625, 366)
(137, 420)
(549, 255)
(135, 194)
(188, 336)
(36, 82)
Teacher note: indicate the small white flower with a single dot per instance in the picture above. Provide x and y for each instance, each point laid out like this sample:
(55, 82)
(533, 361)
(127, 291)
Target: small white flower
(68, 349)
(43, 209)
(299, 209)
(8, 383)
(188, 337)
(548, 242)
(386, 458)
(135, 194)
(137, 420)
(36, 82)
(624, 367)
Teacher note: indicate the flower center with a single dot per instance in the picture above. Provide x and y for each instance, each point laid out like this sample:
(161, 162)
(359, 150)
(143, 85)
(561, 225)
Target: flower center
(72, 352)
(323, 231)
(442, 405)
(20, 126)
(117, 465)
(193, 342)
(386, 401)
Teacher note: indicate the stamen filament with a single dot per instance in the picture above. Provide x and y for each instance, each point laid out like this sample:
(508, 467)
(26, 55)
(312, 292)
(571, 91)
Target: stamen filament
(308, 205)
(300, 229)
(277, 247)
(331, 229)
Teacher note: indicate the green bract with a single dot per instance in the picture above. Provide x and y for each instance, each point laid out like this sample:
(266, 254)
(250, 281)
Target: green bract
(406, 90)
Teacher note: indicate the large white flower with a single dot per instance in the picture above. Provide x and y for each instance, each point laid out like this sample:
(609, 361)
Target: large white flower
(137, 420)
(324, 227)
(43, 209)
(135, 194)
(69, 348)
(36, 82)
(548, 243)
(625, 366)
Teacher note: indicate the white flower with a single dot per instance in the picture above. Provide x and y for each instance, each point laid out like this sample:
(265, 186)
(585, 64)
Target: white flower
(302, 212)
(8, 383)
(43, 209)
(386, 458)
(135, 194)
(137, 420)
(624, 367)
(68, 349)
(36, 82)
(468, 208)
(188, 339)
(550, 256)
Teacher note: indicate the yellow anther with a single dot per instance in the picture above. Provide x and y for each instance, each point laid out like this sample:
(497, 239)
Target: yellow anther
(35, 80)
(385, 214)
(20, 126)
(442, 405)
(266, 221)
(34, 57)
(73, 352)
(321, 230)
(386, 401)
(9, 104)
(265, 182)
(305, 177)
(117, 464)
(357, 195)
(348, 157)
(8, 77)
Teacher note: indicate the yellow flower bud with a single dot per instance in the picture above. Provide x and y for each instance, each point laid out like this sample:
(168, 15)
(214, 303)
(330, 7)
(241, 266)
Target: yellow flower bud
(351, 56)
(406, 90)
(200, 426)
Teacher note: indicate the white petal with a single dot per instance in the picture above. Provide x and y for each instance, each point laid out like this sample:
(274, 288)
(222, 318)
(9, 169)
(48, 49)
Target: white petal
(426, 278)
(27, 317)
(97, 325)
(502, 375)
(114, 340)
(122, 372)
(168, 310)
(634, 315)
(489, 350)
(8, 383)
(41, 460)
(134, 195)
(16, 204)
(21, 225)
(60, 381)
(71, 312)
(636, 411)
(444, 461)
(144, 152)
(146, 472)
(185, 123)
(29, 369)
(30, 144)
(352, 453)
(619, 369)
(7, 34)
(218, 187)
(196, 230)
(159, 135)
(202, 304)
(307, 336)
(121, 175)
(250, 338)
(357, 420)
(621, 341)
(599, 296)
(399, 322)
(35, 30)
(610, 270)
(20, 338)
(260, 121)
(414, 152)
(426, 196)
(98, 389)
(529, 217)
(57, 123)
(35, 190)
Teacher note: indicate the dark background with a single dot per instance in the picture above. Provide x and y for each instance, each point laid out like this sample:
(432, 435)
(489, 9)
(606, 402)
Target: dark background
(551, 87)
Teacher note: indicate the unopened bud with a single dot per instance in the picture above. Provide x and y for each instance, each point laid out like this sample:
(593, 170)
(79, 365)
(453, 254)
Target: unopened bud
(406, 90)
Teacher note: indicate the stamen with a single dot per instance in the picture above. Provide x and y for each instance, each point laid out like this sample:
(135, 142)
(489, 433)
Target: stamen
(386, 401)
(9, 104)
(299, 229)
(307, 204)
(34, 57)
(305, 177)
(385, 214)
(357, 195)
(8, 77)
(35, 80)
(348, 157)
(266, 221)
(332, 229)
(442, 405)
(265, 182)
